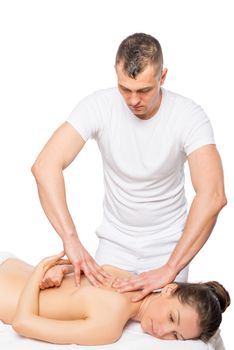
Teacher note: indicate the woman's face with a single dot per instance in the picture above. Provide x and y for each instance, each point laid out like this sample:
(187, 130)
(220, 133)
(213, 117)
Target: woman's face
(166, 318)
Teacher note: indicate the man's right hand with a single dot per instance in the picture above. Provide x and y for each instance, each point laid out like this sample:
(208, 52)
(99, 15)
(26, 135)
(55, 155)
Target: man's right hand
(82, 261)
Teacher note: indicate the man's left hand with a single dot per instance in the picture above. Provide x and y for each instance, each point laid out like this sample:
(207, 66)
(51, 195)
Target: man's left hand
(145, 282)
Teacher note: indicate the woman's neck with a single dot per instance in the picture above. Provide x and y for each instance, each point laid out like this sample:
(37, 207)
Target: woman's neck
(138, 308)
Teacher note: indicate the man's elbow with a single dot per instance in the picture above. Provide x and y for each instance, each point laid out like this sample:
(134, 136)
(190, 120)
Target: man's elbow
(34, 169)
(220, 202)
(215, 201)
(223, 202)
(38, 171)
(37, 168)
(42, 168)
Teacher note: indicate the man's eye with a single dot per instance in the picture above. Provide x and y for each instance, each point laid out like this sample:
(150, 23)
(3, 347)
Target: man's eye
(124, 89)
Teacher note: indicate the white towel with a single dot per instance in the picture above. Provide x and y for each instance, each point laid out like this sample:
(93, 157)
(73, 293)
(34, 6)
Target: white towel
(5, 255)
(132, 338)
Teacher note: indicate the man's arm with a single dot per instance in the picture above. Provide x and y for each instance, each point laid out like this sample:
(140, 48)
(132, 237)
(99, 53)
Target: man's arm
(58, 153)
(207, 179)
(208, 182)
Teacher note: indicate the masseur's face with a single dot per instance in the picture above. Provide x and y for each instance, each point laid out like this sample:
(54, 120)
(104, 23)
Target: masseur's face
(166, 318)
(143, 94)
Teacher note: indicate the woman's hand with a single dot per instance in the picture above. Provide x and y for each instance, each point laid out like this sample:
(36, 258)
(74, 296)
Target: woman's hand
(51, 261)
(54, 276)
(28, 304)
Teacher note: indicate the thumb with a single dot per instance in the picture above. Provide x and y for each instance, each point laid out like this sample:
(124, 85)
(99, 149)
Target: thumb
(61, 254)
(140, 296)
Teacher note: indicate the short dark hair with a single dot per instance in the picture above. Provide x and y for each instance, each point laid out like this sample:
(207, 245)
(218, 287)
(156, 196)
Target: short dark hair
(209, 299)
(138, 51)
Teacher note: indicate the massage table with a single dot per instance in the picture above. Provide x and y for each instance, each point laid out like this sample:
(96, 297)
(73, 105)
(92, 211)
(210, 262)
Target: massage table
(133, 338)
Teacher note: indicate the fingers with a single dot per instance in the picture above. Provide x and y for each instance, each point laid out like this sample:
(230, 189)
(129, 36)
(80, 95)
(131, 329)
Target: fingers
(145, 283)
(128, 284)
(53, 260)
(50, 282)
(63, 262)
(56, 257)
(141, 295)
(94, 273)
(61, 254)
(77, 274)
(123, 285)
(53, 276)
(82, 261)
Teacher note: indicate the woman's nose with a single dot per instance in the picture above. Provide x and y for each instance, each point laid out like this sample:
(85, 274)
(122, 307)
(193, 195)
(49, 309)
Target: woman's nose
(164, 332)
(160, 332)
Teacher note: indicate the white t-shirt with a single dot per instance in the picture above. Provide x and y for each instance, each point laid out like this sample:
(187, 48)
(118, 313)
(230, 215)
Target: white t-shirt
(144, 207)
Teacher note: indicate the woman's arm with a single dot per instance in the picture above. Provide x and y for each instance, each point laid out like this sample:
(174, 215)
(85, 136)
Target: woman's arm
(27, 322)
(83, 332)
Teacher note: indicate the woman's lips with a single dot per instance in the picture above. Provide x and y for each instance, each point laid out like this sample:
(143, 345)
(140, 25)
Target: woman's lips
(149, 327)
(154, 330)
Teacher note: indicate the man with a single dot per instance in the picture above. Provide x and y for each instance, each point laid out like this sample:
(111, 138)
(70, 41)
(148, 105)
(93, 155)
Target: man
(145, 134)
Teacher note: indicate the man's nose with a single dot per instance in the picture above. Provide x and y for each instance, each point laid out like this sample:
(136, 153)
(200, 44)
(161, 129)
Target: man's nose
(134, 99)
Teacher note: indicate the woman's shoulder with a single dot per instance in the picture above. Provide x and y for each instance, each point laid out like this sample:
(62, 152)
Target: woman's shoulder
(116, 271)
(104, 297)
(105, 300)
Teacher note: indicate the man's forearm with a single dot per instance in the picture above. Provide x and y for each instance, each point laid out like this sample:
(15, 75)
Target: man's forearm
(201, 220)
(51, 189)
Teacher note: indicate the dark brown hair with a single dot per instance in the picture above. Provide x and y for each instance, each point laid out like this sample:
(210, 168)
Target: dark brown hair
(209, 299)
(138, 51)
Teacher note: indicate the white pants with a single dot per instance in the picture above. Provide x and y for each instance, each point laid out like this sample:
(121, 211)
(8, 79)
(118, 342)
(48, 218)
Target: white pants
(113, 254)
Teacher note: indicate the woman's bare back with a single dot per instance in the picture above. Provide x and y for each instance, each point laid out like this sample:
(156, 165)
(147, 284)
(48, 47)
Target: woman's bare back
(66, 302)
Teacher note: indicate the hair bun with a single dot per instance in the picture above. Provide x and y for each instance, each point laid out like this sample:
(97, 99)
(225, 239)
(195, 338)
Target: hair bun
(221, 293)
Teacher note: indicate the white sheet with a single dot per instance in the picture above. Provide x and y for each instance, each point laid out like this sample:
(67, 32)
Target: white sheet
(132, 338)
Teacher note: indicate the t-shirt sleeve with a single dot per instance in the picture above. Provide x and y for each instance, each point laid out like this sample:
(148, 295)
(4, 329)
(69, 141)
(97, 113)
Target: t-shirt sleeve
(198, 131)
(86, 118)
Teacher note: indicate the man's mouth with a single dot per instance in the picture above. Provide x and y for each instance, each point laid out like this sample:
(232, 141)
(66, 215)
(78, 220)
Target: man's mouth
(136, 108)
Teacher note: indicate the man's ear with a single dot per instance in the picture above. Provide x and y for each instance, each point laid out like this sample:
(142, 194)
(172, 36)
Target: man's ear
(169, 289)
(163, 76)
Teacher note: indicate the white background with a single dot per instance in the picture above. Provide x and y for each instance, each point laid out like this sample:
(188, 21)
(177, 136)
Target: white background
(55, 52)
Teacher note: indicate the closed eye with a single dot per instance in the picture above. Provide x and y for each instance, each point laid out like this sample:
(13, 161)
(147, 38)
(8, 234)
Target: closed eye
(144, 91)
(123, 88)
(172, 318)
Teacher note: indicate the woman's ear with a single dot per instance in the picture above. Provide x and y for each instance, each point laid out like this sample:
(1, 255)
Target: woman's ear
(169, 289)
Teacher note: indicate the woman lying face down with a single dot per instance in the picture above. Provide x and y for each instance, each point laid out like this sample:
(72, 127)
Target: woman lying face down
(93, 316)
(184, 311)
